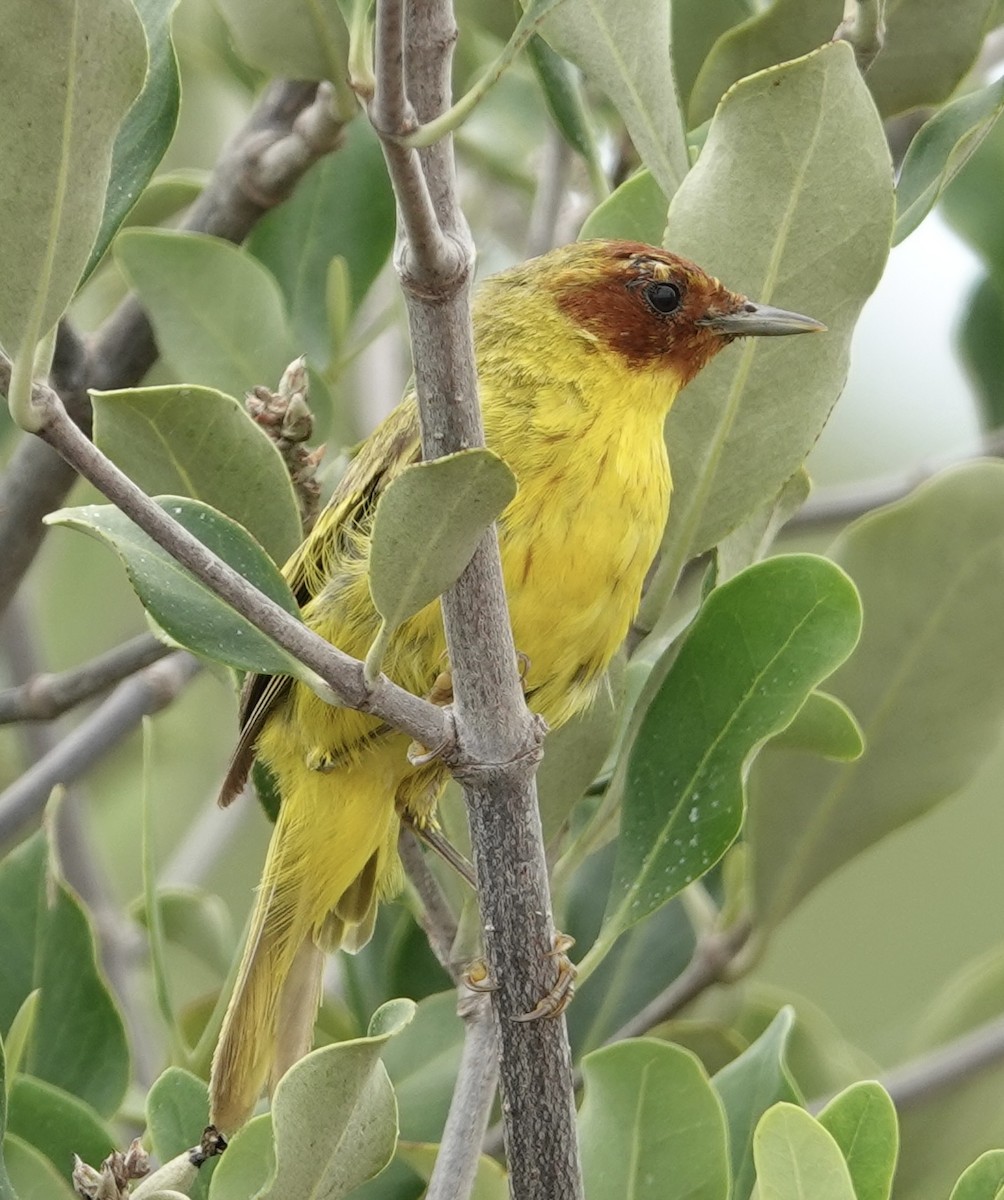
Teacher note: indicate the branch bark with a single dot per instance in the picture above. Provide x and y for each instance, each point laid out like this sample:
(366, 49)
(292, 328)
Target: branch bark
(341, 674)
(44, 696)
(76, 753)
(498, 740)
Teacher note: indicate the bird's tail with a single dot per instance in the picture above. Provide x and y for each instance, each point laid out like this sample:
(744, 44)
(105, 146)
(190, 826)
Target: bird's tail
(317, 893)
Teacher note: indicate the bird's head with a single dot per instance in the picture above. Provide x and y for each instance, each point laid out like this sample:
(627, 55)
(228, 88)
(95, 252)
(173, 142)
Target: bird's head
(655, 309)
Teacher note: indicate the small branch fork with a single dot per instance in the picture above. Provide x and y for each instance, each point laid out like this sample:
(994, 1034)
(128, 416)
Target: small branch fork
(434, 257)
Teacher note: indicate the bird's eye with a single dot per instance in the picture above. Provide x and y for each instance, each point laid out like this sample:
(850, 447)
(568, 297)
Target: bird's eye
(664, 298)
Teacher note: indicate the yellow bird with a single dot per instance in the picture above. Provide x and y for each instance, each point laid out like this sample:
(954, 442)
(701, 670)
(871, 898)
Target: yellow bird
(580, 354)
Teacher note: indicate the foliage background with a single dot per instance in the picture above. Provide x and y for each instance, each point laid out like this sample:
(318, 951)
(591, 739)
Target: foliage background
(878, 946)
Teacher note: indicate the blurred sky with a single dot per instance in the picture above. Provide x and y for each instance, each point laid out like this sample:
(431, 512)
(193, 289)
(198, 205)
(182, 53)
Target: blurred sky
(907, 397)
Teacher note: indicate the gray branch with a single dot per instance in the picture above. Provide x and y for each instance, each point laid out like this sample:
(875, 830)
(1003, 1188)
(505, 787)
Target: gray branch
(863, 26)
(459, 1149)
(425, 722)
(289, 129)
(43, 696)
(71, 758)
(498, 739)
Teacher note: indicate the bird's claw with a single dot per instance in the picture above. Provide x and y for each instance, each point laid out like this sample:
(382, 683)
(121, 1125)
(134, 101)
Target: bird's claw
(560, 996)
(476, 977)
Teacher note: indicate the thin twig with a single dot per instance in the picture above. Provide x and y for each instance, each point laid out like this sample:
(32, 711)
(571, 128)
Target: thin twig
(471, 1104)
(708, 965)
(497, 737)
(916, 1083)
(863, 27)
(436, 919)
(337, 671)
(291, 126)
(550, 196)
(111, 721)
(838, 505)
(44, 696)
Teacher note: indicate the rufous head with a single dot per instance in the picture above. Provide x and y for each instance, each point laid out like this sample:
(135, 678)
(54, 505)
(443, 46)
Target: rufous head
(656, 309)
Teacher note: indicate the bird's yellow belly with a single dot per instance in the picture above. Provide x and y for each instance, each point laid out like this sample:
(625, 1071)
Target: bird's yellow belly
(574, 571)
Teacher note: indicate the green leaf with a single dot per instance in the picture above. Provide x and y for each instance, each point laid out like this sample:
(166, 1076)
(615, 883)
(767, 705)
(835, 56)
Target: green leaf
(814, 156)
(758, 646)
(929, 47)
(19, 1034)
(751, 541)
(199, 922)
(940, 1136)
(969, 204)
(6, 1188)
(21, 874)
(167, 195)
(186, 611)
(796, 1159)
(77, 1039)
(862, 1121)
(563, 93)
(981, 346)
(217, 312)
(63, 93)
(490, 1183)
(177, 1111)
(824, 725)
(197, 442)
(428, 524)
(57, 1124)
(921, 685)
(335, 1116)
(147, 130)
(696, 26)
(248, 1164)
(624, 50)
(575, 752)
(940, 150)
(32, 1176)
(636, 211)
(748, 1086)
(972, 997)
(983, 1180)
(422, 1063)
(651, 1126)
(342, 207)
(299, 38)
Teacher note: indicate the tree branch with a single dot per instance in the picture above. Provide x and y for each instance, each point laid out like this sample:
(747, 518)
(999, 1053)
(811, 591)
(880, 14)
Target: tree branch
(840, 504)
(148, 692)
(436, 919)
(864, 27)
(343, 675)
(917, 1082)
(43, 697)
(471, 1104)
(708, 965)
(498, 739)
(914, 1083)
(291, 126)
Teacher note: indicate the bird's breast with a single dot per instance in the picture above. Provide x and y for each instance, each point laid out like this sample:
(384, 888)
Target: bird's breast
(576, 544)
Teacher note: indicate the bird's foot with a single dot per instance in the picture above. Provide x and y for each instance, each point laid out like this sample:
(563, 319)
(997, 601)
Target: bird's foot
(560, 995)
(477, 978)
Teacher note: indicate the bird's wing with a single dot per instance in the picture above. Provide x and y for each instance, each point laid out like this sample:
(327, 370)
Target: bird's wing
(342, 528)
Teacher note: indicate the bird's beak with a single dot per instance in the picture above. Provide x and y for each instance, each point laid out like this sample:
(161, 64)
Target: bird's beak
(761, 320)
